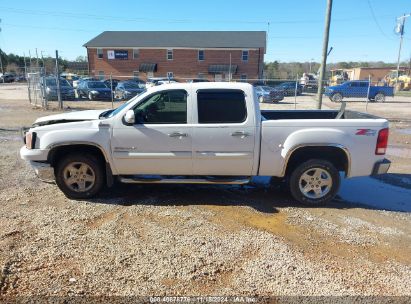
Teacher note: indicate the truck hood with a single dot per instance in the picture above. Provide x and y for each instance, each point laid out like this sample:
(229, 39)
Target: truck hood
(69, 117)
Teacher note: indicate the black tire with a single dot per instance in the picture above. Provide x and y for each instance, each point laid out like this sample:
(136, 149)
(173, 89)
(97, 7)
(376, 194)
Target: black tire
(329, 175)
(336, 97)
(92, 168)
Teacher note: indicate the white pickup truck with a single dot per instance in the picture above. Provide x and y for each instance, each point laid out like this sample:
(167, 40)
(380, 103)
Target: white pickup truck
(205, 133)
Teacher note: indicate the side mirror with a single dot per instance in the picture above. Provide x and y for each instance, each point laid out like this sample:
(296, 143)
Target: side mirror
(129, 117)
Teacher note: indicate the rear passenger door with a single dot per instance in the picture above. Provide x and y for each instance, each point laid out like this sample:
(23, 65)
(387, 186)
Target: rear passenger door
(223, 133)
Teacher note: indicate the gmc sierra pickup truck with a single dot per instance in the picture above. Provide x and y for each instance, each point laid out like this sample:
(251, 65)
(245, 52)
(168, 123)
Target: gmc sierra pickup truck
(205, 133)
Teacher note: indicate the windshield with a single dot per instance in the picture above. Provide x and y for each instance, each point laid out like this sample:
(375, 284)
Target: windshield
(131, 85)
(53, 83)
(111, 113)
(96, 85)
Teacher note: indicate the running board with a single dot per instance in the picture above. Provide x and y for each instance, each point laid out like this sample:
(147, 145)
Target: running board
(223, 181)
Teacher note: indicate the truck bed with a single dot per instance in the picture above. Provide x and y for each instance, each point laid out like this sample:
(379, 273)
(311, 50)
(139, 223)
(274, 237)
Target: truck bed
(313, 114)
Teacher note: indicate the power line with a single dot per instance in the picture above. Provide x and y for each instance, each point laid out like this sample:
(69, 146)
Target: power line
(162, 20)
(376, 21)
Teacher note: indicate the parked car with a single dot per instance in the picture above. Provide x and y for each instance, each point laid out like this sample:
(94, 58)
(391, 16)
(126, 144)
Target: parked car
(76, 82)
(70, 77)
(49, 87)
(359, 89)
(289, 88)
(309, 83)
(94, 90)
(21, 78)
(155, 81)
(127, 89)
(195, 80)
(111, 83)
(268, 94)
(205, 133)
(7, 78)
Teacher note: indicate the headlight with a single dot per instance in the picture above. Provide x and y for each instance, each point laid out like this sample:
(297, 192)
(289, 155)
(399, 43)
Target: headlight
(31, 140)
(94, 92)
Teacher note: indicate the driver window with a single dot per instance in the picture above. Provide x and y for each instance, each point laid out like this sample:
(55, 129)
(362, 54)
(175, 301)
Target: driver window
(169, 107)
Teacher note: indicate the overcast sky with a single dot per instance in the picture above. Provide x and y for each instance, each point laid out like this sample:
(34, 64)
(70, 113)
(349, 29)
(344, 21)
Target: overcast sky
(360, 30)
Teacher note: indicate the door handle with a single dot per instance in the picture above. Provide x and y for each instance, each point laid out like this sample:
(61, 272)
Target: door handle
(240, 134)
(178, 134)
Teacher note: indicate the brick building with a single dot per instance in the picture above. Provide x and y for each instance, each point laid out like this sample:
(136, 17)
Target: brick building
(178, 54)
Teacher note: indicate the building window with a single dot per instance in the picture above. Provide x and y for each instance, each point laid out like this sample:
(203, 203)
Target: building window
(169, 54)
(245, 55)
(101, 75)
(201, 76)
(136, 53)
(170, 75)
(136, 74)
(243, 77)
(200, 55)
(100, 53)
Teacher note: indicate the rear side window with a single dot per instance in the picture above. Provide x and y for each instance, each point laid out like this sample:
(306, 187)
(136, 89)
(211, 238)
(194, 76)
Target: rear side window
(221, 106)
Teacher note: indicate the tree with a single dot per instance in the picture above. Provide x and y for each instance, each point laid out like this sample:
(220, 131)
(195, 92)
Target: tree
(81, 59)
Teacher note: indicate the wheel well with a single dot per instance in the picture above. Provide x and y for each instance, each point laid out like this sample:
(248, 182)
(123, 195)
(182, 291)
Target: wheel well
(57, 153)
(335, 155)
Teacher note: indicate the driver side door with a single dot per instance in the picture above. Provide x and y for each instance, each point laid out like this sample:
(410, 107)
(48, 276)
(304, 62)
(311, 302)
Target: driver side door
(160, 140)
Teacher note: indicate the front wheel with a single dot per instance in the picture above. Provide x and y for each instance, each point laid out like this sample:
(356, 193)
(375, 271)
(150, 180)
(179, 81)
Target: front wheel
(314, 182)
(79, 176)
(336, 97)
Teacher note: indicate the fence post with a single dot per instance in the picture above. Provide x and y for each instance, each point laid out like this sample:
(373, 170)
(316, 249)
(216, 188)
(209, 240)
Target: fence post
(295, 93)
(111, 87)
(58, 81)
(368, 93)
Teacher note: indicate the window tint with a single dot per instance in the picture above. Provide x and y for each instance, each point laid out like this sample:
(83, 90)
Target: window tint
(221, 106)
(168, 107)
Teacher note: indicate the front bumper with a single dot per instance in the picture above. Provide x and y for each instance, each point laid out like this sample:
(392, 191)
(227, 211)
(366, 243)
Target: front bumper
(44, 171)
(381, 167)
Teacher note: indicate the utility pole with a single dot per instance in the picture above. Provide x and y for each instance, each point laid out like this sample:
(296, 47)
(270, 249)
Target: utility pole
(1, 61)
(324, 53)
(42, 59)
(58, 81)
(399, 29)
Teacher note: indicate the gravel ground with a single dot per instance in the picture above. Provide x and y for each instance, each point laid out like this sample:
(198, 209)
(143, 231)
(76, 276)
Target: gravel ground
(191, 240)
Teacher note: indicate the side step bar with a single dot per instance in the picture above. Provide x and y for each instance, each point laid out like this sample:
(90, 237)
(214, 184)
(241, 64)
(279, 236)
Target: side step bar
(223, 181)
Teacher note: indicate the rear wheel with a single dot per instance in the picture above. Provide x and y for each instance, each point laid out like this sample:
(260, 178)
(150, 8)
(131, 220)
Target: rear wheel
(314, 182)
(380, 97)
(79, 176)
(336, 97)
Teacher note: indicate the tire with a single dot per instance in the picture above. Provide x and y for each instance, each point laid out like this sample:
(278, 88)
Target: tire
(79, 176)
(314, 182)
(90, 97)
(336, 97)
(380, 97)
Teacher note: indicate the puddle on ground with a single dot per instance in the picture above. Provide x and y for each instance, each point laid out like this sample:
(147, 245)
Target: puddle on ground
(404, 131)
(399, 151)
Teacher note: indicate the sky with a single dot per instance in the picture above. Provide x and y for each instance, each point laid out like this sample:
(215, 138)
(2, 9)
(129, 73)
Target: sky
(361, 30)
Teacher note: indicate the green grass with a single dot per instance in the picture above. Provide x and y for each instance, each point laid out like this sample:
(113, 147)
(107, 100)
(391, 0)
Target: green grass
(403, 93)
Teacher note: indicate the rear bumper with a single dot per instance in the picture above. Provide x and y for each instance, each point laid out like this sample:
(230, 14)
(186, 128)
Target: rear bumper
(381, 167)
(44, 171)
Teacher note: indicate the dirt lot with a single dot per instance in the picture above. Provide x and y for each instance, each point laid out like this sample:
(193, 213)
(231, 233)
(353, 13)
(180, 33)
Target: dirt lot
(203, 240)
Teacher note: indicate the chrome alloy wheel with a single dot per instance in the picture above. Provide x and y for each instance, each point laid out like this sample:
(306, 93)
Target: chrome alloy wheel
(315, 183)
(79, 176)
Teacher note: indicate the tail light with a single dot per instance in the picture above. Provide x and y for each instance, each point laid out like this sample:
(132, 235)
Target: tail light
(382, 142)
